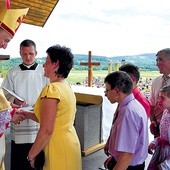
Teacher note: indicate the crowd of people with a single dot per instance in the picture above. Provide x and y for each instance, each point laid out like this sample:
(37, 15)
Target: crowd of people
(144, 84)
(47, 127)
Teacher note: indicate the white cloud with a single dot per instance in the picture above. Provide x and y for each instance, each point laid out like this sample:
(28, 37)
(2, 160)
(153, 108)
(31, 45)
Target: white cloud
(107, 28)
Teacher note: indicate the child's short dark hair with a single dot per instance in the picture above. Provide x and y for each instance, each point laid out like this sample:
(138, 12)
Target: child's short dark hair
(165, 90)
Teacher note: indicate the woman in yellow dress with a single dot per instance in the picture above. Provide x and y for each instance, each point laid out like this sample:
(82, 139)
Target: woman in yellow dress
(55, 111)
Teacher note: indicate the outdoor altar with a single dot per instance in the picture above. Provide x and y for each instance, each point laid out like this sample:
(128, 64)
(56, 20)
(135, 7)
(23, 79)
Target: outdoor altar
(94, 113)
(93, 118)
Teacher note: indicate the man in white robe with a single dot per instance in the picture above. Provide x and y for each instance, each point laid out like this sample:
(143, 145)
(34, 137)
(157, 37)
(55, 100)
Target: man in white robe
(26, 81)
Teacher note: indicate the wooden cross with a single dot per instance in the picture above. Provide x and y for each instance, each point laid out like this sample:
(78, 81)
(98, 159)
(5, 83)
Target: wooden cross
(90, 65)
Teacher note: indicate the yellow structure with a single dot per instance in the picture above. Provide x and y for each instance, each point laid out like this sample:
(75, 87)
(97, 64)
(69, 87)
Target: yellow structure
(116, 66)
(110, 67)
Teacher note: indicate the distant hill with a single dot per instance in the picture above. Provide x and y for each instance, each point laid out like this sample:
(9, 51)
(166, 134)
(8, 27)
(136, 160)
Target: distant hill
(143, 61)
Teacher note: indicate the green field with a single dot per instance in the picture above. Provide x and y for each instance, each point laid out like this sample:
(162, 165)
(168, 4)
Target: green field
(80, 76)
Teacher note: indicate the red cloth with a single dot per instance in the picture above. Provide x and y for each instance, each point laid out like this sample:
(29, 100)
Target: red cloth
(142, 99)
(162, 142)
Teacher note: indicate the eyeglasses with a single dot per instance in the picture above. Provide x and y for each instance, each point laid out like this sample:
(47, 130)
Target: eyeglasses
(106, 91)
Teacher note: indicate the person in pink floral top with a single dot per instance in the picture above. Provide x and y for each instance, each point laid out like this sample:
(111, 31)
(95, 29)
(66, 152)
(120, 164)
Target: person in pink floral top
(161, 145)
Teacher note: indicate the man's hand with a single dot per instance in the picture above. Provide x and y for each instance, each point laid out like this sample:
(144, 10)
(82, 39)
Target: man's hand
(106, 149)
(108, 162)
(20, 103)
(151, 147)
(154, 128)
(14, 106)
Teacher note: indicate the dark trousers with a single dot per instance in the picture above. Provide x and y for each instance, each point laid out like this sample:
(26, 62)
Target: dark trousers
(137, 167)
(19, 153)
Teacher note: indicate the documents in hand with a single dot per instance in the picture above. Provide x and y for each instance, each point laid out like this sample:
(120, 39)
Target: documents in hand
(13, 94)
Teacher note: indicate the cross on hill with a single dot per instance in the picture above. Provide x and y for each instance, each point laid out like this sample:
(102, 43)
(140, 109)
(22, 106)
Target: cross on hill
(90, 65)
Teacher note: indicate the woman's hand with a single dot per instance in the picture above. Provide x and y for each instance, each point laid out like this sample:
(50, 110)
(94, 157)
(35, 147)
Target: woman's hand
(28, 114)
(17, 118)
(31, 161)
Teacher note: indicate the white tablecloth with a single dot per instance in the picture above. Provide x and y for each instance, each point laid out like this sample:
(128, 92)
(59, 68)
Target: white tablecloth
(108, 109)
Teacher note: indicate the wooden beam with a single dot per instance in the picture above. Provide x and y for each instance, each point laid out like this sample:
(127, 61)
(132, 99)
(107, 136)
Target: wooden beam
(39, 10)
(93, 149)
(88, 99)
(4, 57)
(94, 64)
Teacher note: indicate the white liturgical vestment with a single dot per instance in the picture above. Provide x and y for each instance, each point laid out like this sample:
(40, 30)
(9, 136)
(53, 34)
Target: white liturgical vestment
(27, 84)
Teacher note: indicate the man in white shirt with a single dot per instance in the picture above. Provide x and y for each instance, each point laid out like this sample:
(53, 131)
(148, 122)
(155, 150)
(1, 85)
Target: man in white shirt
(163, 64)
(27, 81)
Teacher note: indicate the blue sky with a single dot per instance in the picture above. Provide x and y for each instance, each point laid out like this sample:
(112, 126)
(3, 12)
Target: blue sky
(107, 28)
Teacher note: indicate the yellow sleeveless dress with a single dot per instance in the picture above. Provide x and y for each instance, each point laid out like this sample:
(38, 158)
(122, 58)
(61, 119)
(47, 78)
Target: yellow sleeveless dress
(63, 150)
(4, 104)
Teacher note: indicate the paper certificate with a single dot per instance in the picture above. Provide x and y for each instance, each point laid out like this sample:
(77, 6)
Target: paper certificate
(27, 108)
(13, 94)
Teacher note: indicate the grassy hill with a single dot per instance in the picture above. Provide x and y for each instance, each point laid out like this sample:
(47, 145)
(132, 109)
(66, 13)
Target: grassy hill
(143, 61)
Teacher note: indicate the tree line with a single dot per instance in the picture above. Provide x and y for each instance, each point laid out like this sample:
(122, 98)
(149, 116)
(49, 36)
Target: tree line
(143, 61)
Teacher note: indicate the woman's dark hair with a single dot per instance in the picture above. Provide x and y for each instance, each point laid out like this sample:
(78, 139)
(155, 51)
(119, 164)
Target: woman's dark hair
(65, 58)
